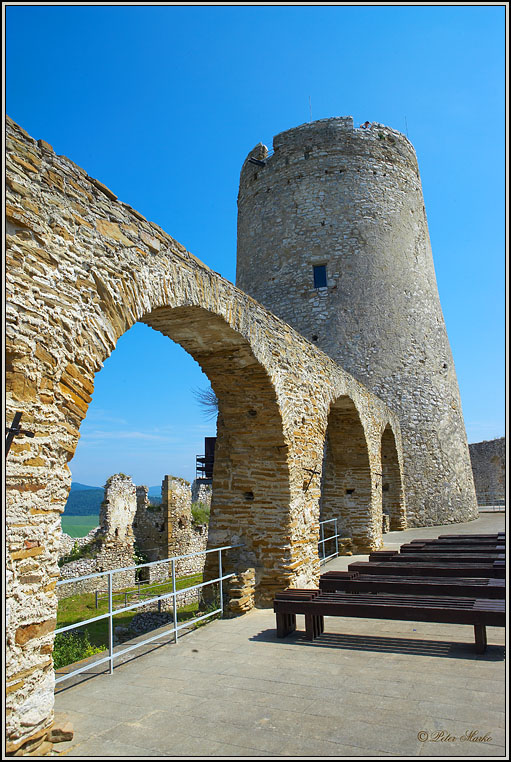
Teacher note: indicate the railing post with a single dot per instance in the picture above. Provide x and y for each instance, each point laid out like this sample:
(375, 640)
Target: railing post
(110, 624)
(336, 538)
(96, 596)
(220, 574)
(174, 599)
(322, 539)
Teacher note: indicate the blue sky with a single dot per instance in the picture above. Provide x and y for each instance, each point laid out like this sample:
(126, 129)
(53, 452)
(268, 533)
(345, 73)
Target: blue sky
(163, 103)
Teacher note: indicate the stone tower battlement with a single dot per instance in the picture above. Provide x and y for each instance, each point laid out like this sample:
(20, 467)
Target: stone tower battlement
(333, 238)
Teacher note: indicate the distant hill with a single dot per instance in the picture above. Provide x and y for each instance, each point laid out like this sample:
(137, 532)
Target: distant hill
(76, 486)
(154, 494)
(84, 500)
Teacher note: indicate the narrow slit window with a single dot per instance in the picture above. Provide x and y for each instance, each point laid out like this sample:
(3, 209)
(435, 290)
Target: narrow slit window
(319, 276)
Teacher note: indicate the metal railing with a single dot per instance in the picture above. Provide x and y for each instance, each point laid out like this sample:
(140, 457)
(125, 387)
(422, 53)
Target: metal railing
(174, 593)
(490, 501)
(140, 591)
(323, 558)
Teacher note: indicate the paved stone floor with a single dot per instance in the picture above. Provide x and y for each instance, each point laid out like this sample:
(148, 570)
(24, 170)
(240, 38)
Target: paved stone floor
(366, 688)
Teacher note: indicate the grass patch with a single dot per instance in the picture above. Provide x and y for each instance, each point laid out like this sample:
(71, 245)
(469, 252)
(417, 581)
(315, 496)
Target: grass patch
(200, 513)
(76, 608)
(78, 526)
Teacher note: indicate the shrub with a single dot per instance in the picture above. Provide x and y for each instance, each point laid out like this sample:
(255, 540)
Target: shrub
(70, 647)
(90, 550)
(200, 513)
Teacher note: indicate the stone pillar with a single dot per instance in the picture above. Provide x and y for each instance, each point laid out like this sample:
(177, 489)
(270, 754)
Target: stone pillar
(115, 537)
(177, 507)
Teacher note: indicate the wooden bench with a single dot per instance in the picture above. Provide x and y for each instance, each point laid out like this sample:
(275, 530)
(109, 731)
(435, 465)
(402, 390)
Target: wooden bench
(434, 547)
(469, 587)
(315, 605)
(440, 557)
(430, 569)
(473, 537)
(470, 541)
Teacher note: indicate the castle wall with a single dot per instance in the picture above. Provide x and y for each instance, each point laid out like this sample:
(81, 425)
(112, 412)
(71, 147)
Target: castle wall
(488, 460)
(81, 268)
(351, 200)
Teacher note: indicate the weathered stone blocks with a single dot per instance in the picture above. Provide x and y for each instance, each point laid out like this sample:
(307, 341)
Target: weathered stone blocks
(73, 288)
(350, 201)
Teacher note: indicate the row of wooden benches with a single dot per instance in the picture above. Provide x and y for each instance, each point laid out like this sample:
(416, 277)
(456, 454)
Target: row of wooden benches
(446, 590)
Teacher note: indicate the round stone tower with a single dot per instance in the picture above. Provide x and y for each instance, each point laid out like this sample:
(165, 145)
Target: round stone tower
(333, 238)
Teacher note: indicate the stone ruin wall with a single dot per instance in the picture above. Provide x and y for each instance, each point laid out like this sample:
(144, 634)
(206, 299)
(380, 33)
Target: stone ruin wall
(81, 268)
(127, 518)
(201, 493)
(112, 543)
(489, 467)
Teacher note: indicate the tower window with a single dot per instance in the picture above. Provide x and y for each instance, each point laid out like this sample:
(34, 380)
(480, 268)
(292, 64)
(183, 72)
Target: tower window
(319, 276)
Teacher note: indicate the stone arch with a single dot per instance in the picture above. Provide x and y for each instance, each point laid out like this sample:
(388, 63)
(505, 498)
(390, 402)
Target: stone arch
(251, 480)
(250, 502)
(347, 492)
(392, 485)
(83, 267)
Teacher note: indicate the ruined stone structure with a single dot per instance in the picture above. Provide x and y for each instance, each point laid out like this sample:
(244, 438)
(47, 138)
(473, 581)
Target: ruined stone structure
(168, 531)
(489, 466)
(201, 492)
(82, 268)
(333, 238)
(112, 544)
(129, 522)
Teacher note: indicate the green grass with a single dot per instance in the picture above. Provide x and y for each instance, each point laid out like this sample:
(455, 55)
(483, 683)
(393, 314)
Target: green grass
(78, 526)
(79, 607)
(200, 513)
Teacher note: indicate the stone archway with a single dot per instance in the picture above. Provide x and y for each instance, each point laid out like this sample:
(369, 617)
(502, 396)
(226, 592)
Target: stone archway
(82, 268)
(392, 486)
(251, 496)
(347, 485)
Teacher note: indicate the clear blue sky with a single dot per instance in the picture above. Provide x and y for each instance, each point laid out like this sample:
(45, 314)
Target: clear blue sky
(162, 104)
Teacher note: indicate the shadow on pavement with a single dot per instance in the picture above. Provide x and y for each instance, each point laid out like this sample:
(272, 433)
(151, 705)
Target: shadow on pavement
(388, 645)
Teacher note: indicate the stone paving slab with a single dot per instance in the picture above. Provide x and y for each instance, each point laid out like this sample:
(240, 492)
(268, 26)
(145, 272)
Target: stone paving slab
(366, 688)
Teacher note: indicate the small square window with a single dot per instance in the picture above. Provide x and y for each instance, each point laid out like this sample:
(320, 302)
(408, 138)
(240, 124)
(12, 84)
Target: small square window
(319, 276)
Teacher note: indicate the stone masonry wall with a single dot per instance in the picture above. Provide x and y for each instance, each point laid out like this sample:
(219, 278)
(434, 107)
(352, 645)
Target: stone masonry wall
(201, 493)
(488, 460)
(351, 200)
(81, 268)
(112, 543)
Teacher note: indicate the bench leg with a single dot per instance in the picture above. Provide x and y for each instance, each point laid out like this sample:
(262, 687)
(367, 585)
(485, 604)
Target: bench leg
(310, 629)
(313, 626)
(480, 638)
(286, 623)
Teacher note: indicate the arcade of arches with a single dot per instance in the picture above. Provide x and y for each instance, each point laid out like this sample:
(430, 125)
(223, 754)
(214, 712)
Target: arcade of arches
(82, 268)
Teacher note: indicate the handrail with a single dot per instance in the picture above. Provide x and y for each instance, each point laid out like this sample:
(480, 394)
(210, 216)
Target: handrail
(173, 593)
(321, 544)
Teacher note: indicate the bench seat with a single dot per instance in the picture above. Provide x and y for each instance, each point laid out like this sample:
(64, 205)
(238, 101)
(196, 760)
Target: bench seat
(430, 568)
(440, 557)
(443, 547)
(470, 541)
(354, 582)
(472, 611)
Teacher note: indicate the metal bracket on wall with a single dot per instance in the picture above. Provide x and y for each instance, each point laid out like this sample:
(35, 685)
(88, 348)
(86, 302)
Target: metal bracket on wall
(14, 431)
